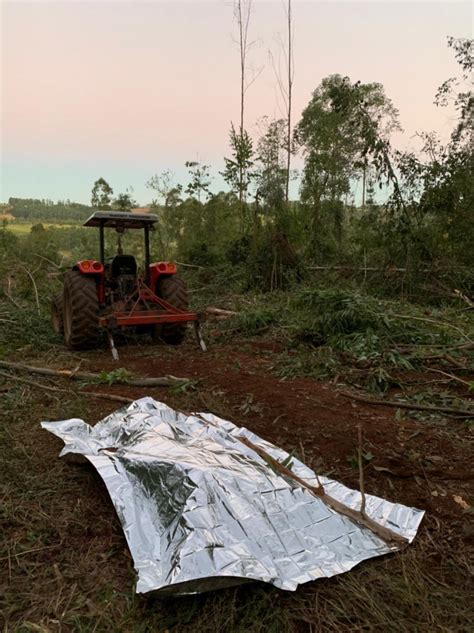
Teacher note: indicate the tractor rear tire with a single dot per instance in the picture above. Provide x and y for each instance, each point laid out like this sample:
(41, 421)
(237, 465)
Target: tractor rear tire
(173, 290)
(57, 313)
(80, 311)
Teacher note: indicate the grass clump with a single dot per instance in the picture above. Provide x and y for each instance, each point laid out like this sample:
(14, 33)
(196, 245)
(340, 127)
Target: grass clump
(335, 312)
(255, 321)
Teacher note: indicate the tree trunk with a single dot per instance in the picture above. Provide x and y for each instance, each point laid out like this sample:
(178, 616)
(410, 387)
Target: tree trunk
(290, 89)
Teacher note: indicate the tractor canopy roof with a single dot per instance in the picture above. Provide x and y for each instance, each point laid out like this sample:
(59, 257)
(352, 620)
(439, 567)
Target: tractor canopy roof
(114, 219)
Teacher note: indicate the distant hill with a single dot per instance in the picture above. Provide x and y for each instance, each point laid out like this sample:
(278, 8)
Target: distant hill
(61, 211)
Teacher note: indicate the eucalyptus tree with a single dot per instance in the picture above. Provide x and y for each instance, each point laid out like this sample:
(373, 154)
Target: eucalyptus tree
(162, 184)
(200, 179)
(436, 221)
(271, 172)
(285, 80)
(124, 202)
(239, 168)
(101, 194)
(345, 128)
(241, 143)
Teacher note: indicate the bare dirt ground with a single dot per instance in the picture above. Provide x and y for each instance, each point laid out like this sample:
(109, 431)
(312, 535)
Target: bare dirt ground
(65, 563)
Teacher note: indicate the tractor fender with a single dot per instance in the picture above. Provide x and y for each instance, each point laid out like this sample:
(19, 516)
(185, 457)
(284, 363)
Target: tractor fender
(161, 269)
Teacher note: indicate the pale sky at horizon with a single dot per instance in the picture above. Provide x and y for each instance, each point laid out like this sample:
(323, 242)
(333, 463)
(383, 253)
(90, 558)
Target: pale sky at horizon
(124, 90)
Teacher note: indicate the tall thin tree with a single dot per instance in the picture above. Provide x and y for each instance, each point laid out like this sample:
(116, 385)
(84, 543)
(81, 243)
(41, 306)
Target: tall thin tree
(290, 69)
(285, 84)
(242, 12)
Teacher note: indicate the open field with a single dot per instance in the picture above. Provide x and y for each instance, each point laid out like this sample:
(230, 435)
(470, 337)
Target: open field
(65, 560)
(24, 228)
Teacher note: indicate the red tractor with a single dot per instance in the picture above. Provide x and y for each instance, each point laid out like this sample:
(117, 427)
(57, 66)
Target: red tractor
(110, 294)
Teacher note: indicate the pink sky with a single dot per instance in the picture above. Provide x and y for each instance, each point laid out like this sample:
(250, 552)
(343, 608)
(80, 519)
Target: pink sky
(124, 90)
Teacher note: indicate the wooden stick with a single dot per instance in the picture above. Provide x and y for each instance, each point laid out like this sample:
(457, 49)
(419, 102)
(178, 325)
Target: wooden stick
(451, 376)
(219, 313)
(361, 472)
(94, 394)
(164, 381)
(454, 361)
(107, 396)
(189, 265)
(387, 535)
(407, 405)
(31, 382)
(411, 317)
(35, 288)
(58, 266)
(388, 270)
(465, 298)
(8, 293)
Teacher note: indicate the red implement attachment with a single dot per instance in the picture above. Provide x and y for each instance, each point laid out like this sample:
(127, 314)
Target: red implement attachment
(144, 307)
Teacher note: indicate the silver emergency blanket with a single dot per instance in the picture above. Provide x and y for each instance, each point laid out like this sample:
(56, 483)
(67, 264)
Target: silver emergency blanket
(201, 510)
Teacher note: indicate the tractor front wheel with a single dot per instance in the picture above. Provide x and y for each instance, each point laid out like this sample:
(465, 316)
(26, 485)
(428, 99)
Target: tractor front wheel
(80, 311)
(173, 290)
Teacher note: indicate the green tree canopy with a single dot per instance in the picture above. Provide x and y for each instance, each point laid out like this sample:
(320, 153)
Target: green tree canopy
(101, 194)
(345, 127)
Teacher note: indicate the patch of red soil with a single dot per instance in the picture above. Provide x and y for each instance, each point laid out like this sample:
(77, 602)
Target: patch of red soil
(406, 460)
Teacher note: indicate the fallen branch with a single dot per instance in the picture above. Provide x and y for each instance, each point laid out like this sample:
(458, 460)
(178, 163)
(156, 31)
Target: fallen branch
(107, 396)
(454, 361)
(8, 293)
(387, 535)
(35, 288)
(219, 313)
(58, 266)
(94, 394)
(388, 270)
(190, 292)
(446, 357)
(361, 473)
(164, 381)
(408, 405)
(411, 317)
(190, 265)
(31, 382)
(409, 346)
(465, 298)
(451, 376)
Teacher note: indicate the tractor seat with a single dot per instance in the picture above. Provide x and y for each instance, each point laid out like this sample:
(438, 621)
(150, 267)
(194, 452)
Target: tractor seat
(122, 265)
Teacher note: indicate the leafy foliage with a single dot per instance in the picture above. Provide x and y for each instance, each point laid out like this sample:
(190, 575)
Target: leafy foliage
(123, 202)
(200, 179)
(238, 170)
(343, 129)
(101, 194)
(118, 376)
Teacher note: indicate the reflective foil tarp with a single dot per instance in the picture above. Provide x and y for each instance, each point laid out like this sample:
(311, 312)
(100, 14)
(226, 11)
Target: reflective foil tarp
(201, 510)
